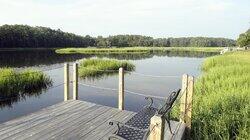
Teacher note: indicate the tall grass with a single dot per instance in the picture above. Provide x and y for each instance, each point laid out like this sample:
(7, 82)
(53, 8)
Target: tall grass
(100, 67)
(15, 84)
(134, 50)
(221, 104)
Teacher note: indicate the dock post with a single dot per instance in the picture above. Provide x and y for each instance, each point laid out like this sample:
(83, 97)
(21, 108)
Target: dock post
(183, 99)
(66, 81)
(75, 81)
(190, 90)
(157, 124)
(186, 102)
(121, 89)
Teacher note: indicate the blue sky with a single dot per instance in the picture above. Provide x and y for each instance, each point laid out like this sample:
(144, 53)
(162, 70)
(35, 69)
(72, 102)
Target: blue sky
(157, 18)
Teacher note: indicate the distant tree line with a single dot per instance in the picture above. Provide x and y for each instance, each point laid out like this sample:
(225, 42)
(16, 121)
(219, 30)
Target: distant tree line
(137, 40)
(244, 39)
(20, 36)
(24, 36)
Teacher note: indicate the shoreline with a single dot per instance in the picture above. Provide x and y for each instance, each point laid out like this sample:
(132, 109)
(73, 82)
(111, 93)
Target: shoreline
(134, 50)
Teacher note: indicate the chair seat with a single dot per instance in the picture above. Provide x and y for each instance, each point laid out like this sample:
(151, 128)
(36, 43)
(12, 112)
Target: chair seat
(130, 133)
(142, 119)
(137, 128)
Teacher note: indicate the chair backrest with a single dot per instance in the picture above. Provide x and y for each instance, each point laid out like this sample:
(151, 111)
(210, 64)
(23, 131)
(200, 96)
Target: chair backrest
(169, 102)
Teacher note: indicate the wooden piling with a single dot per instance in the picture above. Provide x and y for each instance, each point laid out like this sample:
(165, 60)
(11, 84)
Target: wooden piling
(157, 124)
(75, 81)
(190, 90)
(186, 102)
(66, 81)
(121, 90)
(183, 99)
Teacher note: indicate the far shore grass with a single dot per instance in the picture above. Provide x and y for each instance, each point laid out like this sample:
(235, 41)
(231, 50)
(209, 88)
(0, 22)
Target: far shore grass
(221, 102)
(16, 84)
(134, 50)
(91, 68)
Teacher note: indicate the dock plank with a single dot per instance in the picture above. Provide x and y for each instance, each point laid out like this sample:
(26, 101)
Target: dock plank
(72, 119)
(60, 118)
(57, 127)
(104, 130)
(18, 125)
(29, 117)
(74, 124)
(89, 126)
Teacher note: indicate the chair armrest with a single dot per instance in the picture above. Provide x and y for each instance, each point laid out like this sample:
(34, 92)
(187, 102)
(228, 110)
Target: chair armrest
(169, 103)
(150, 100)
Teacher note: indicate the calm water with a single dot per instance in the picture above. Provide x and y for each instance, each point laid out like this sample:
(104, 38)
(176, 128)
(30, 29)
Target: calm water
(165, 64)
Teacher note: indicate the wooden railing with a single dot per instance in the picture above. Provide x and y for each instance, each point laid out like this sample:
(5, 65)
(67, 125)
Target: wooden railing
(157, 123)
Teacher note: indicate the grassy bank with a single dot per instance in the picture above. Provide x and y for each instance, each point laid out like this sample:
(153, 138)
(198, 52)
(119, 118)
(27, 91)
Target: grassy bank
(221, 104)
(100, 67)
(15, 84)
(131, 50)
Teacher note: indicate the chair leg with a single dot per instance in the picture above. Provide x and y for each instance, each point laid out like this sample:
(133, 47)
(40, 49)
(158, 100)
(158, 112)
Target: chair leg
(168, 121)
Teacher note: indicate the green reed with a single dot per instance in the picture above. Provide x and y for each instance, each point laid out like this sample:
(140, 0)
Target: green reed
(221, 102)
(134, 50)
(13, 83)
(100, 67)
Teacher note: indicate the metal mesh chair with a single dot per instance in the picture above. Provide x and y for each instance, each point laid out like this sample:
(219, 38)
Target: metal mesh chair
(137, 128)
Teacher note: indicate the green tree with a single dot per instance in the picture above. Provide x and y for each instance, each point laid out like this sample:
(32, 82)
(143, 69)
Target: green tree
(20, 36)
(244, 39)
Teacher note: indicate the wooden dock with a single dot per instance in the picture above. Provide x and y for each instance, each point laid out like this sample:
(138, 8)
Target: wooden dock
(73, 119)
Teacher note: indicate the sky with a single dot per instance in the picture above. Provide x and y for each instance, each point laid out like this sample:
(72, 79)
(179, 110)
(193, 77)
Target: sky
(156, 18)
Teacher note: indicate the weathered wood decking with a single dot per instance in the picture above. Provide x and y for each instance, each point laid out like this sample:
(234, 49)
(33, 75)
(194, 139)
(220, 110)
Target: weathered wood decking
(72, 119)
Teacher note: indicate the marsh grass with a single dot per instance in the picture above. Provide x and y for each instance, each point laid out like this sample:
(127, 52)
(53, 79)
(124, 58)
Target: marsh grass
(15, 84)
(135, 50)
(99, 67)
(221, 103)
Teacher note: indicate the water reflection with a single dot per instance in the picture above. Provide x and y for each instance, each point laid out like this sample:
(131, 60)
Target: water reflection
(35, 58)
(16, 96)
(164, 63)
(162, 54)
(28, 58)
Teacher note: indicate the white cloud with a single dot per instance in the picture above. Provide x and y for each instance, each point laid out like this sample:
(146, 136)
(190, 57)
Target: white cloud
(159, 18)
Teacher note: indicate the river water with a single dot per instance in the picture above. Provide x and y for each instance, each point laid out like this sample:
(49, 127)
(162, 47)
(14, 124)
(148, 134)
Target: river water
(168, 68)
